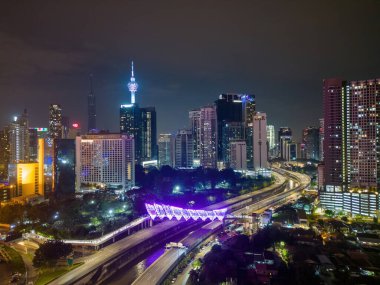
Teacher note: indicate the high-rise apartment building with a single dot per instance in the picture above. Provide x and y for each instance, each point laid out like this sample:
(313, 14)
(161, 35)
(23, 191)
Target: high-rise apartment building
(165, 149)
(321, 138)
(183, 149)
(310, 139)
(260, 148)
(335, 141)
(209, 145)
(351, 146)
(19, 139)
(105, 161)
(363, 134)
(55, 121)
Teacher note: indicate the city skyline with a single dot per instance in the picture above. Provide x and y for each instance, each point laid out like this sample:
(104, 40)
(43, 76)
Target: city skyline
(278, 50)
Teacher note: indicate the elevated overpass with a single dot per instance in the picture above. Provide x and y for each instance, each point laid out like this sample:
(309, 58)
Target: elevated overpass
(105, 262)
(161, 268)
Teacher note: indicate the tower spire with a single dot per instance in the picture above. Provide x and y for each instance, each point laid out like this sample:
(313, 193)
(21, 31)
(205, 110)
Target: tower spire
(91, 107)
(132, 85)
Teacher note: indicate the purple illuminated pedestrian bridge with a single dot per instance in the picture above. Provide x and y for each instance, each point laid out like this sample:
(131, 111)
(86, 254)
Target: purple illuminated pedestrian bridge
(165, 211)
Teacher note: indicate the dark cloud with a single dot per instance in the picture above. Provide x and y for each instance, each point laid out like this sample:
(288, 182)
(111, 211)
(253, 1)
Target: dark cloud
(186, 53)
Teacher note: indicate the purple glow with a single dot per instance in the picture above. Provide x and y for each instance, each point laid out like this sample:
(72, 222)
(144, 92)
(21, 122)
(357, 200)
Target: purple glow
(165, 211)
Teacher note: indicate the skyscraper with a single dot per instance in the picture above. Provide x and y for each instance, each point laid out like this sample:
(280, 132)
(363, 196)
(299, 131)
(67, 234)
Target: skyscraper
(4, 153)
(310, 139)
(284, 136)
(271, 137)
(334, 108)
(209, 145)
(55, 121)
(321, 138)
(183, 149)
(64, 167)
(91, 107)
(260, 148)
(363, 134)
(249, 109)
(148, 133)
(130, 124)
(165, 149)
(229, 112)
(195, 126)
(351, 146)
(19, 139)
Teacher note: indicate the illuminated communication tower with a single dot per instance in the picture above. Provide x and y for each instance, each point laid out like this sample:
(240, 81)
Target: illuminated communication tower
(133, 86)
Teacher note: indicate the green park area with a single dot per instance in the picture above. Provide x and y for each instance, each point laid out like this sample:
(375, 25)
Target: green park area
(48, 274)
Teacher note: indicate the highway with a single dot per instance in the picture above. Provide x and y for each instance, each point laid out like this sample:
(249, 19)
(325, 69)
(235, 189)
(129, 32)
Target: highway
(116, 249)
(156, 273)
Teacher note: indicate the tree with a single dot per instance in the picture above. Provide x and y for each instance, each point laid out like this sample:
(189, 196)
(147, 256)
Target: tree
(49, 253)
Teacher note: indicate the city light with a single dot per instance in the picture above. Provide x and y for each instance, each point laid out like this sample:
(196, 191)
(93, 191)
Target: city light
(162, 211)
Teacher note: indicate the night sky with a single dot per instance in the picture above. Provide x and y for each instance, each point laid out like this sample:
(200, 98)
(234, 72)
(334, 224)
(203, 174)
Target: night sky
(186, 53)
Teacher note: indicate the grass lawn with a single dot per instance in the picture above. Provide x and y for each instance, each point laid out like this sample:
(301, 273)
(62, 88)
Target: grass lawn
(49, 274)
(16, 260)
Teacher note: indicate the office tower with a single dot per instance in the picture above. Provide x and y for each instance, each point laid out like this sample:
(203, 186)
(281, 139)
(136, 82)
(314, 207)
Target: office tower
(91, 108)
(310, 139)
(64, 167)
(271, 137)
(165, 149)
(284, 135)
(249, 109)
(195, 126)
(260, 148)
(238, 155)
(105, 161)
(65, 127)
(183, 149)
(231, 131)
(228, 110)
(33, 144)
(334, 108)
(209, 145)
(4, 153)
(321, 138)
(130, 124)
(148, 133)
(55, 121)
(19, 139)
